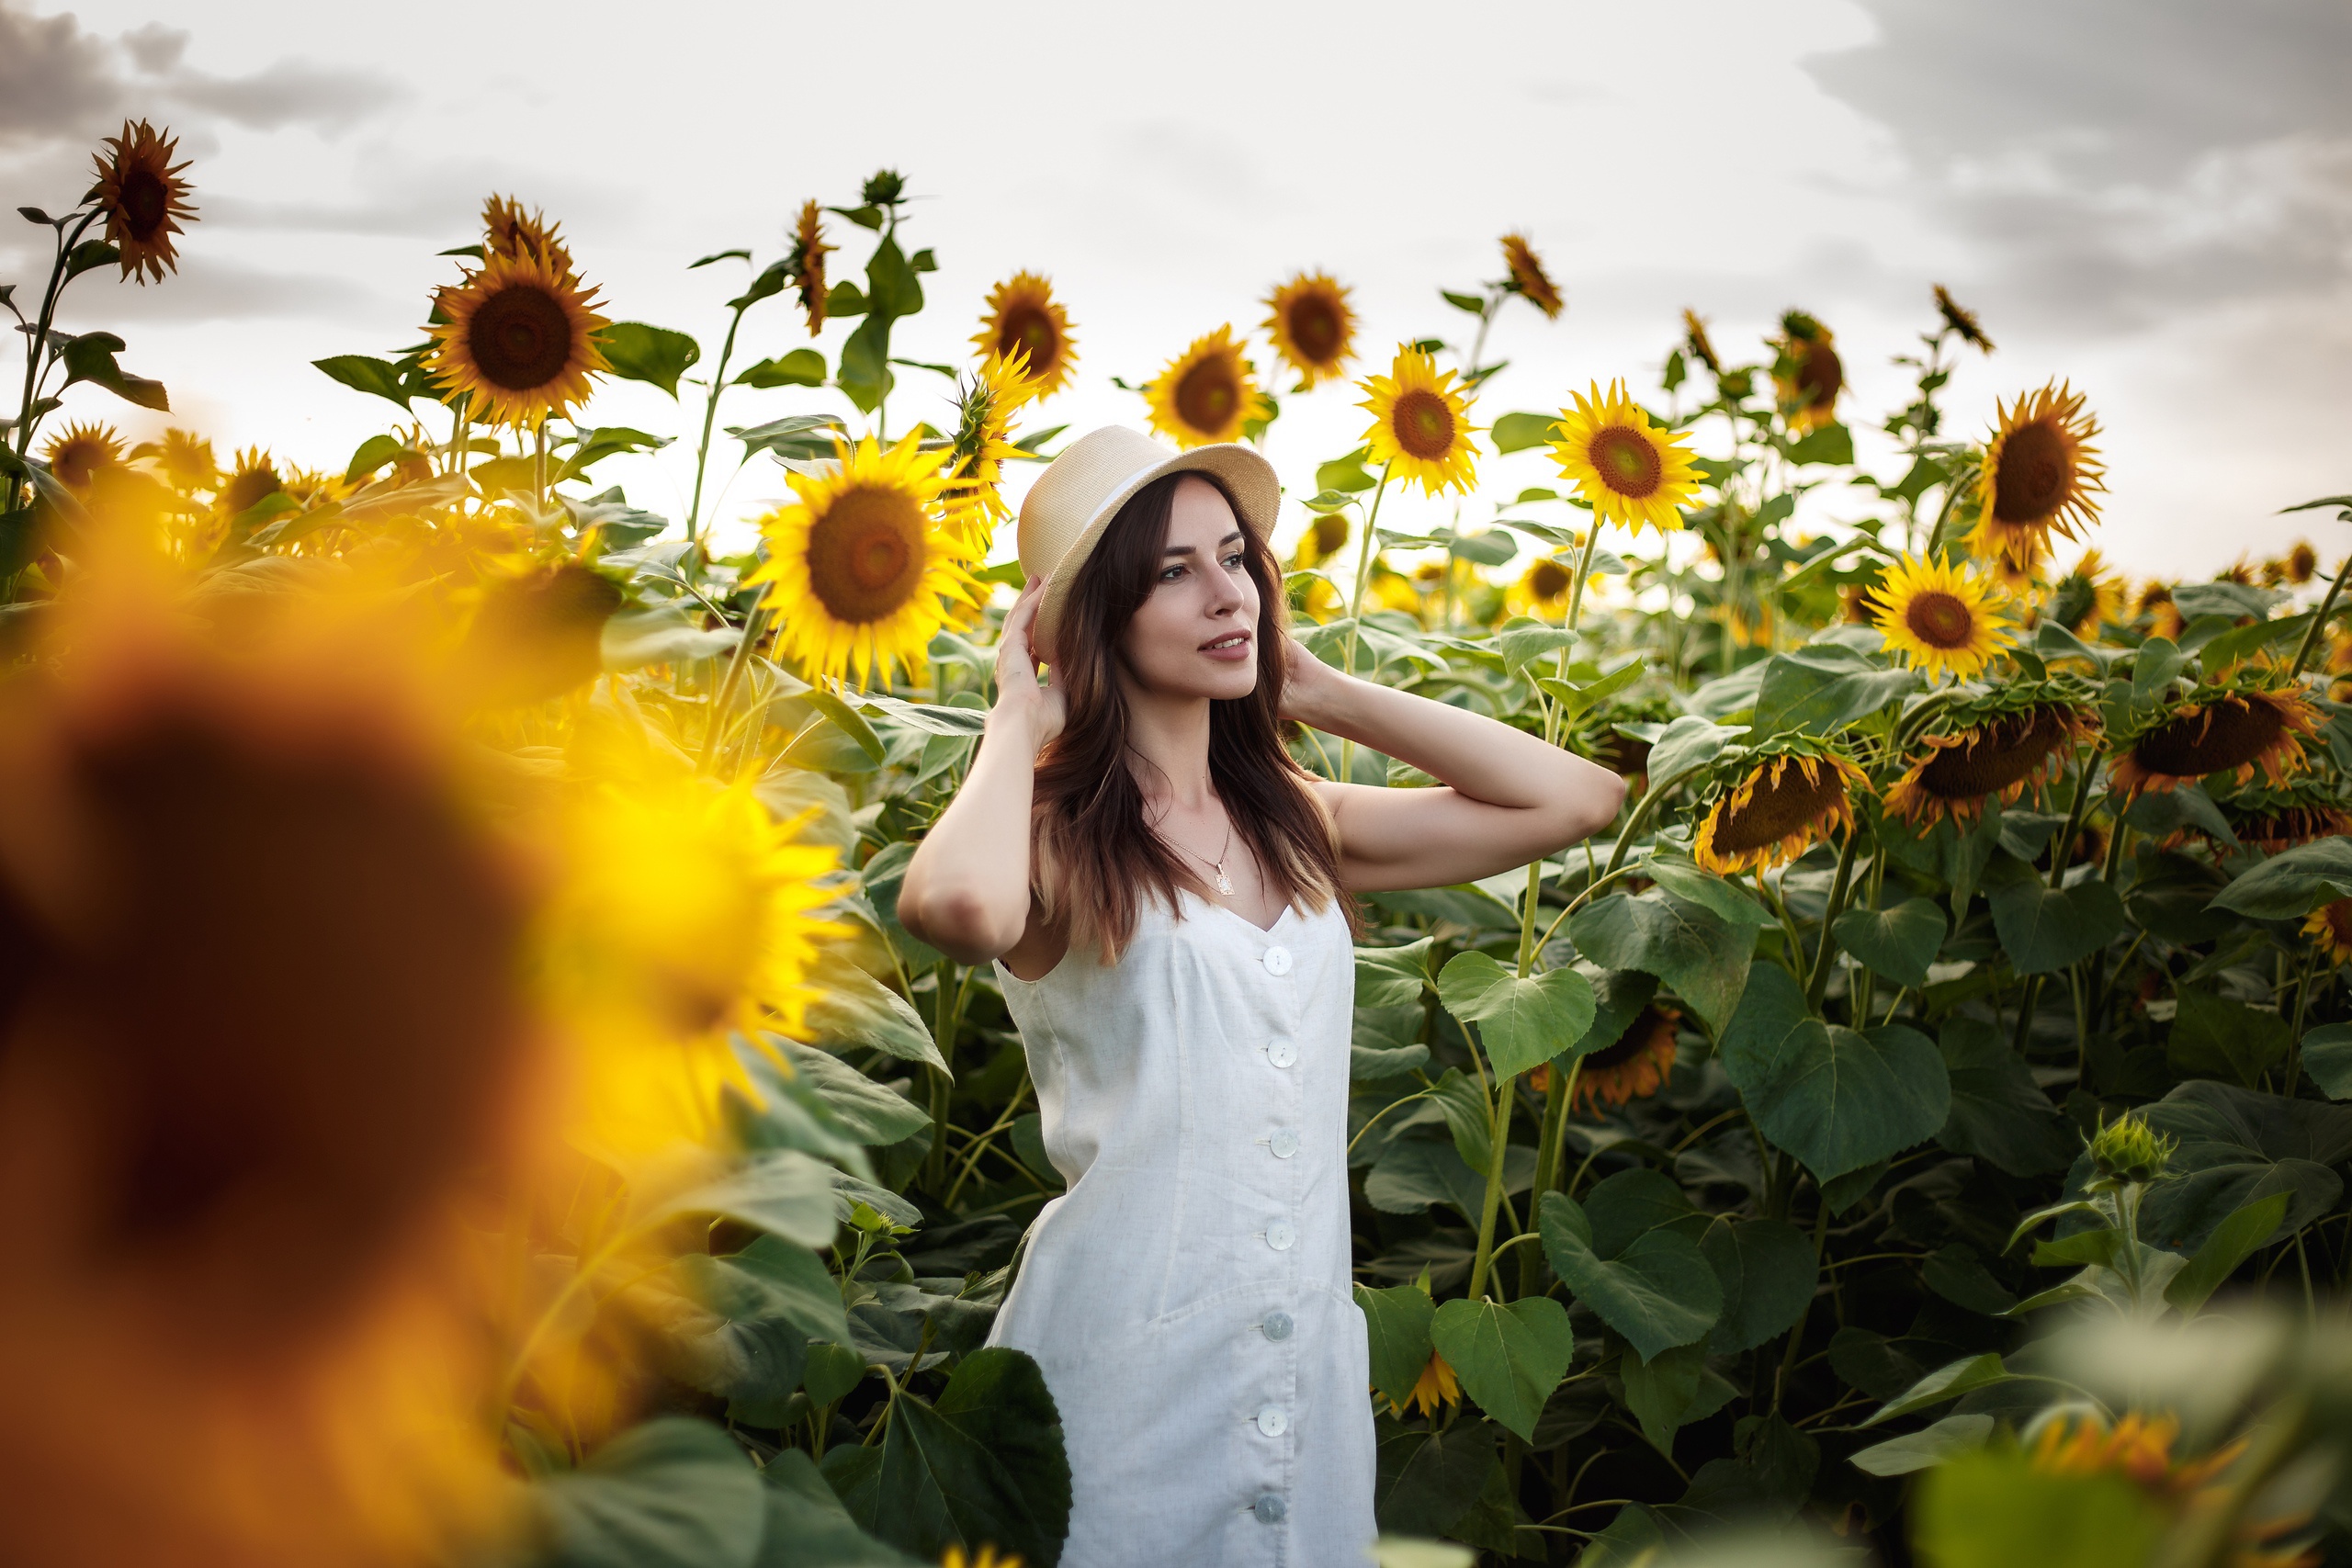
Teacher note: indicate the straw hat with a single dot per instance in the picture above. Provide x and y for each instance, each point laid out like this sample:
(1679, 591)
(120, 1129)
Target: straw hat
(1063, 515)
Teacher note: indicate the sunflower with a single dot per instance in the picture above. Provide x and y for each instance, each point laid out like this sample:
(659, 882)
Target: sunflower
(2302, 563)
(1528, 277)
(2233, 727)
(1634, 1066)
(1694, 337)
(185, 458)
(974, 498)
(1313, 326)
(2155, 604)
(253, 478)
(806, 264)
(539, 632)
(1024, 314)
(1961, 320)
(2302, 811)
(1789, 792)
(1326, 537)
(1938, 617)
(2329, 929)
(986, 1557)
(1208, 394)
(1629, 470)
(1541, 590)
(859, 567)
(144, 199)
(1420, 424)
(520, 340)
(2040, 474)
(516, 234)
(1437, 1386)
(2089, 597)
(76, 454)
(1993, 747)
(1807, 371)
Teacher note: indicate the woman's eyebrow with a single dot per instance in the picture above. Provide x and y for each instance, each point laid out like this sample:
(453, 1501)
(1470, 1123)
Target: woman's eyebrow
(1232, 538)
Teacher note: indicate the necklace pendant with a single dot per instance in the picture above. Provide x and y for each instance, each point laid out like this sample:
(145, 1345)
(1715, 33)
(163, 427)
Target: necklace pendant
(1224, 883)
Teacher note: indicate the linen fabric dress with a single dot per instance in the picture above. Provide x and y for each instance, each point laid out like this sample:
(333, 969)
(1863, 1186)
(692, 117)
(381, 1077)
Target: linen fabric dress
(1188, 1298)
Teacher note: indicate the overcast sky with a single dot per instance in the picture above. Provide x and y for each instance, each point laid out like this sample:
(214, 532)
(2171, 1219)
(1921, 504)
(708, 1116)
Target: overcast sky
(2152, 198)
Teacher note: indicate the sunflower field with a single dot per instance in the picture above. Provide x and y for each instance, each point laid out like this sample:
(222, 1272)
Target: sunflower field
(466, 1097)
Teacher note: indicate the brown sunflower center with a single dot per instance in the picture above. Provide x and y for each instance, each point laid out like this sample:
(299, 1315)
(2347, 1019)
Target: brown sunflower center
(1636, 1039)
(2032, 474)
(2338, 916)
(1779, 807)
(1208, 395)
(1029, 327)
(1940, 620)
(2002, 752)
(1315, 329)
(1627, 461)
(144, 200)
(1548, 580)
(2228, 734)
(75, 461)
(247, 489)
(1821, 376)
(865, 554)
(520, 338)
(1424, 425)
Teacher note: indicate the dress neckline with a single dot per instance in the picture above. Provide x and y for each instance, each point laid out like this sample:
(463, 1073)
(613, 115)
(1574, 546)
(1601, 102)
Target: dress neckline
(1289, 910)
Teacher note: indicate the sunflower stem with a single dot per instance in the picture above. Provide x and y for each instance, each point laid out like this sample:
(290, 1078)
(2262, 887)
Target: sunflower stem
(1818, 985)
(2313, 633)
(1365, 555)
(1499, 1132)
(754, 626)
(709, 418)
(39, 338)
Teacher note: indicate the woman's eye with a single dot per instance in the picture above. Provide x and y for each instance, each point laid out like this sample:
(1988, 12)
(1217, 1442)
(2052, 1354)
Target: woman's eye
(1171, 574)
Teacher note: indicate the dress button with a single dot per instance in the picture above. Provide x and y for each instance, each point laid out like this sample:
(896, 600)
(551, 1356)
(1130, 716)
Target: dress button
(1272, 1421)
(1269, 1509)
(1282, 1052)
(1285, 1144)
(1278, 961)
(1279, 1236)
(1277, 1325)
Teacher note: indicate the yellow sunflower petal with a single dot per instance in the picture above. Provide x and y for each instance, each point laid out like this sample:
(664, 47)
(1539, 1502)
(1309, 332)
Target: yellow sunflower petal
(2041, 473)
(1630, 471)
(1313, 326)
(1940, 618)
(520, 340)
(1206, 394)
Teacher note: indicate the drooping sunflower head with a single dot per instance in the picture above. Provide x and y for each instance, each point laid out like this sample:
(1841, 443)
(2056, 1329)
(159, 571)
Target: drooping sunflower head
(1420, 423)
(510, 231)
(805, 264)
(1702, 348)
(981, 447)
(184, 459)
(1940, 618)
(1961, 320)
(140, 189)
(253, 478)
(861, 569)
(2041, 474)
(2234, 726)
(2088, 597)
(2303, 810)
(1771, 802)
(1313, 326)
(1206, 394)
(1541, 590)
(1807, 371)
(1634, 1068)
(2329, 929)
(1024, 315)
(76, 454)
(519, 340)
(1629, 470)
(1528, 277)
(1993, 747)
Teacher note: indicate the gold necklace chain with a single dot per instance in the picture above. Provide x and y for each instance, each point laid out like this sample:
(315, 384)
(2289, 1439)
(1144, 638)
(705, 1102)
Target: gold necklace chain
(1224, 883)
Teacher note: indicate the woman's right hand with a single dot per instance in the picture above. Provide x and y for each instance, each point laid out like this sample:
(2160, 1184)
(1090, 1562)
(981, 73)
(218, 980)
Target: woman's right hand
(1040, 710)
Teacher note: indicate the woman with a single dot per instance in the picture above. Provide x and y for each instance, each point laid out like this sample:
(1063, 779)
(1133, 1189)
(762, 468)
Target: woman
(1164, 893)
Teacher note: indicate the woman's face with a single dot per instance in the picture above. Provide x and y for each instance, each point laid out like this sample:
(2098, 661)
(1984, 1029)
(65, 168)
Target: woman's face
(1197, 635)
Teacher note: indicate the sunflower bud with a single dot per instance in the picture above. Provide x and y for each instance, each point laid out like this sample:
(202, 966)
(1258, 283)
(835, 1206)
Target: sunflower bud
(2128, 1150)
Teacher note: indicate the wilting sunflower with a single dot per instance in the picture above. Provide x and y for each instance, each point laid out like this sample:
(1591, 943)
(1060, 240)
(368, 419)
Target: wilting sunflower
(144, 199)
(2089, 597)
(1630, 471)
(1634, 1066)
(77, 452)
(1313, 326)
(1420, 424)
(1807, 371)
(974, 498)
(1961, 320)
(859, 567)
(2329, 929)
(1993, 748)
(2301, 811)
(253, 478)
(1702, 348)
(1024, 314)
(2233, 726)
(1436, 1387)
(806, 264)
(513, 232)
(1208, 394)
(2040, 472)
(1940, 618)
(1773, 802)
(1541, 590)
(1528, 277)
(520, 340)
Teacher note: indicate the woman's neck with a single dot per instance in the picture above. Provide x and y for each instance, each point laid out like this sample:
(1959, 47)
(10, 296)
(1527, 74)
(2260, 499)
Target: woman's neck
(1170, 736)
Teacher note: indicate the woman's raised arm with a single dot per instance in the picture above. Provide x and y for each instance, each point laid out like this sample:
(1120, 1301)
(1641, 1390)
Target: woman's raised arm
(966, 890)
(1508, 797)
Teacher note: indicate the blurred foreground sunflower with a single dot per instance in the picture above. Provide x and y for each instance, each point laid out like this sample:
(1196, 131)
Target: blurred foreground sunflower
(860, 568)
(1313, 327)
(2233, 727)
(1630, 471)
(520, 340)
(140, 189)
(805, 264)
(1938, 617)
(76, 454)
(1783, 795)
(1420, 423)
(1206, 394)
(1528, 277)
(1991, 750)
(1635, 1066)
(1807, 372)
(2041, 473)
(1025, 317)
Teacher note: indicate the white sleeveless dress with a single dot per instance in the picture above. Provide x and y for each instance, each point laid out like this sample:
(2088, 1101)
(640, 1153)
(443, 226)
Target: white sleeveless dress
(1188, 1298)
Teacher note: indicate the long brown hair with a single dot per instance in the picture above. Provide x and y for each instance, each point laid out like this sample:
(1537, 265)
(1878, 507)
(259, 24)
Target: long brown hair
(1097, 857)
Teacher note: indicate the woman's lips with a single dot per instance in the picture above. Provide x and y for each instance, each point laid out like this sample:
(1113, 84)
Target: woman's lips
(1232, 647)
